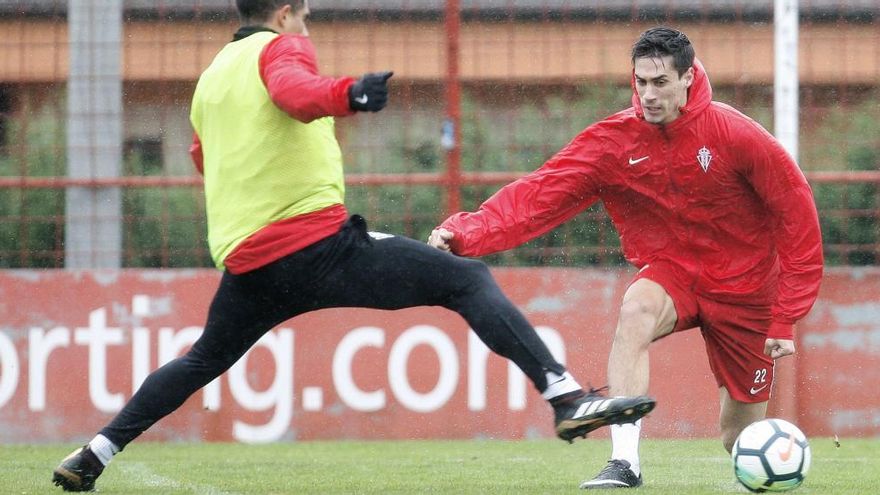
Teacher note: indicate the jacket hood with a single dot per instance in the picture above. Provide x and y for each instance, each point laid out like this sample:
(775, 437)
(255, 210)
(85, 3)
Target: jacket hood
(699, 94)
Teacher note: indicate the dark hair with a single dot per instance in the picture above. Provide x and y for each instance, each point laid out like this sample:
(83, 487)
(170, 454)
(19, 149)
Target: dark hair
(258, 11)
(662, 41)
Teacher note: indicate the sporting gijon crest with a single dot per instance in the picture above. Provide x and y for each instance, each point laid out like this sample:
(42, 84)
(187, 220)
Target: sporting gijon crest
(704, 156)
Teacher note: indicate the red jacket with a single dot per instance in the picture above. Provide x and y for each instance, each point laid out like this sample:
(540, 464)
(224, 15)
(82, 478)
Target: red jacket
(712, 192)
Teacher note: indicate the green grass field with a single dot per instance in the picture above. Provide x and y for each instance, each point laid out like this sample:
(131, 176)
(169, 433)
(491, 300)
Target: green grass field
(485, 467)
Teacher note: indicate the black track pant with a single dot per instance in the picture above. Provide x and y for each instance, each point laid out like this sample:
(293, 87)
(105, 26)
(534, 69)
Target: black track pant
(348, 269)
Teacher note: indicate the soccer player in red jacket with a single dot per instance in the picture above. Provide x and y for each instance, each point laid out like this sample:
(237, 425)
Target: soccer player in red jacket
(278, 226)
(710, 208)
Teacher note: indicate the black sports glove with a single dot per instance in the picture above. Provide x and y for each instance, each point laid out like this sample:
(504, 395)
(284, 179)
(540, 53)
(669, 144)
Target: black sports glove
(370, 92)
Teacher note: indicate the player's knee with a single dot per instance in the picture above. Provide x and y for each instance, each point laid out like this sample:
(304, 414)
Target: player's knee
(208, 363)
(469, 281)
(477, 272)
(637, 308)
(637, 321)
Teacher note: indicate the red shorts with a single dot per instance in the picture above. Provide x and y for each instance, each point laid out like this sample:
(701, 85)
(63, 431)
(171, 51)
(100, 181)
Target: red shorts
(734, 333)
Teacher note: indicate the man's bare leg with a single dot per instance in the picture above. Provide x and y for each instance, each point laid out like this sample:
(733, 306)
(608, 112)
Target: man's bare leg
(646, 314)
(735, 416)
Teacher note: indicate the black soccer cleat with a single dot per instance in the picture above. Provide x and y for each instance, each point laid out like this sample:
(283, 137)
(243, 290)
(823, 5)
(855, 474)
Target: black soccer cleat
(580, 415)
(78, 471)
(617, 474)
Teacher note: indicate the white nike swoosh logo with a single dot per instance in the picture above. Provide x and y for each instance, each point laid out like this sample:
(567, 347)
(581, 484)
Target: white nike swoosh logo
(361, 99)
(754, 390)
(637, 160)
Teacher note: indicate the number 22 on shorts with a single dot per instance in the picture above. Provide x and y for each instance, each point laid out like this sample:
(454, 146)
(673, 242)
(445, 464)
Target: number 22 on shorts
(760, 381)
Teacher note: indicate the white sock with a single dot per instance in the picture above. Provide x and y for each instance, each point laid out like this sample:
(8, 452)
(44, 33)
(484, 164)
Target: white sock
(103, 449)
(625, 444)
(558, 385)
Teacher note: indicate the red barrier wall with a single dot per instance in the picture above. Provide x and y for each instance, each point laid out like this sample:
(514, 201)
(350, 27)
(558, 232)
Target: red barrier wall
(73, 346)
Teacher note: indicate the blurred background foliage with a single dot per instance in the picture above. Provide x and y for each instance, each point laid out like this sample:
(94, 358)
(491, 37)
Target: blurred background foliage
(165, 227)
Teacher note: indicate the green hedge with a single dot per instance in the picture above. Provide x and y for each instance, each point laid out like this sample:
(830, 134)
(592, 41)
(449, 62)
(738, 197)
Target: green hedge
(165, 227)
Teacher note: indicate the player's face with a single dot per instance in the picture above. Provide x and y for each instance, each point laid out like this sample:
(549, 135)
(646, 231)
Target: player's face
(294, 21)
(661, 91)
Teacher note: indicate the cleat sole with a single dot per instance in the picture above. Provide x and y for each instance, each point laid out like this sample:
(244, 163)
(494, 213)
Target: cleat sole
(571, 429)
(75, 474)
(68, 481)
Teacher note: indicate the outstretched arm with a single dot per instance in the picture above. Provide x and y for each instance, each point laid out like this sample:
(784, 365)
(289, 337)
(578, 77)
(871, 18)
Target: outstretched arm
(289, 69)
(530, 206)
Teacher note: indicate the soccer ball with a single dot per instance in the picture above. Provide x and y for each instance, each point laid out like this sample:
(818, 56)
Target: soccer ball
(771, 455)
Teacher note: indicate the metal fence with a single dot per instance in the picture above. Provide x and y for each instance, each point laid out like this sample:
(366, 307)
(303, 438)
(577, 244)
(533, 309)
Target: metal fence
(483, 92)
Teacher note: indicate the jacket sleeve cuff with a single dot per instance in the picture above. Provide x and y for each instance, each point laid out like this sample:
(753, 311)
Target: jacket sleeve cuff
(343, 108)
(456, 243)
(780, 330)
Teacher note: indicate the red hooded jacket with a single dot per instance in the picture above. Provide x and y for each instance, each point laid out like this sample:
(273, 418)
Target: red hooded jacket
(712, 192)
